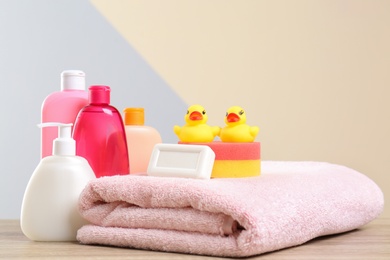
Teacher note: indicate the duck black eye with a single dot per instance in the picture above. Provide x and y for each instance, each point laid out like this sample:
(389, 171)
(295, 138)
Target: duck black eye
(226, 114)
(241, 112)
(188, 112)
(204, 112)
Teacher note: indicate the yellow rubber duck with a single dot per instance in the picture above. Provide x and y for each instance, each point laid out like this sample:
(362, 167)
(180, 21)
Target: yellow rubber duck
(236, 129)
(196, 130)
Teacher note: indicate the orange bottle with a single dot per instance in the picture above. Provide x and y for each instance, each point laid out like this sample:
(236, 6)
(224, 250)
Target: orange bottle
(140, 139)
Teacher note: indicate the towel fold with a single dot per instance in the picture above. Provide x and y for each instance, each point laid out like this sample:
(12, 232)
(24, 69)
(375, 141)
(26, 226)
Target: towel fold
(289, 204)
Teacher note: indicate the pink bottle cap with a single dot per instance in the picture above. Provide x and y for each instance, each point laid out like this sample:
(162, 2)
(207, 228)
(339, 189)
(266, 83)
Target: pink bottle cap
(99, 94)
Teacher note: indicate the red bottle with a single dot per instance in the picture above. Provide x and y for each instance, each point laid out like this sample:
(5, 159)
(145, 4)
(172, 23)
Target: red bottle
(100, 136)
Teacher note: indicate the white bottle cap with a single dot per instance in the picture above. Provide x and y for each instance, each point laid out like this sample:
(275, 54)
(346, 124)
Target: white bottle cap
(72, 79)
(64, 144)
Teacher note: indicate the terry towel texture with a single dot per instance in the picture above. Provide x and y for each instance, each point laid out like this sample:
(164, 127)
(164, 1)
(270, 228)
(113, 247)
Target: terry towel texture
(289, 204)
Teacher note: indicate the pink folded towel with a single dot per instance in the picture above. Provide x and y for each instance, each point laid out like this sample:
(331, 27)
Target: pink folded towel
(289, 204)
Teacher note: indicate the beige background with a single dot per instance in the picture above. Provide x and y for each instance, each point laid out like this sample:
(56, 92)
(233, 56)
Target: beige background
(314, 75)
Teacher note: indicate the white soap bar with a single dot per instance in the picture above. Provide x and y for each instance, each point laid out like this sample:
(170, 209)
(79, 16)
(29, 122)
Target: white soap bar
(181, 160)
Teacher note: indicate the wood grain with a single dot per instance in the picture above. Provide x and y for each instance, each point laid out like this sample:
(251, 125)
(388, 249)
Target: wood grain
(372, 241)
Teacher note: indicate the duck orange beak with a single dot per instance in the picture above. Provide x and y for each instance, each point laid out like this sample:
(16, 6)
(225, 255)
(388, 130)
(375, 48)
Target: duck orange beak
(232, 117)
(196, 116)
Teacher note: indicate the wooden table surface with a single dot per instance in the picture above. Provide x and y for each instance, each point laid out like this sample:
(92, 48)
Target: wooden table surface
(371, 241)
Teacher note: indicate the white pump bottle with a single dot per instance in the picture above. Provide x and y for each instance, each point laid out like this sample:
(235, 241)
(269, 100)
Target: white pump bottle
(50, 203)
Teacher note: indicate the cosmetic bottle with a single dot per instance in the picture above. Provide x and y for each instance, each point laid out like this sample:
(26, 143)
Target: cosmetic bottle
(50, 203)
(141, 139)
(62, 106)
(100, 135)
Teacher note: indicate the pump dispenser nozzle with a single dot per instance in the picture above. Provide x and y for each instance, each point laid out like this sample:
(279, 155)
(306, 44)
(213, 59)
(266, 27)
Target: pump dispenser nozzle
(64, 144)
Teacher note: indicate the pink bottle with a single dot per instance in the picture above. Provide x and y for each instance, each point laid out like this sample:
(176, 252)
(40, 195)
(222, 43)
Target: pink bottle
(100, 136)
(62, 106)
(141, 139)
